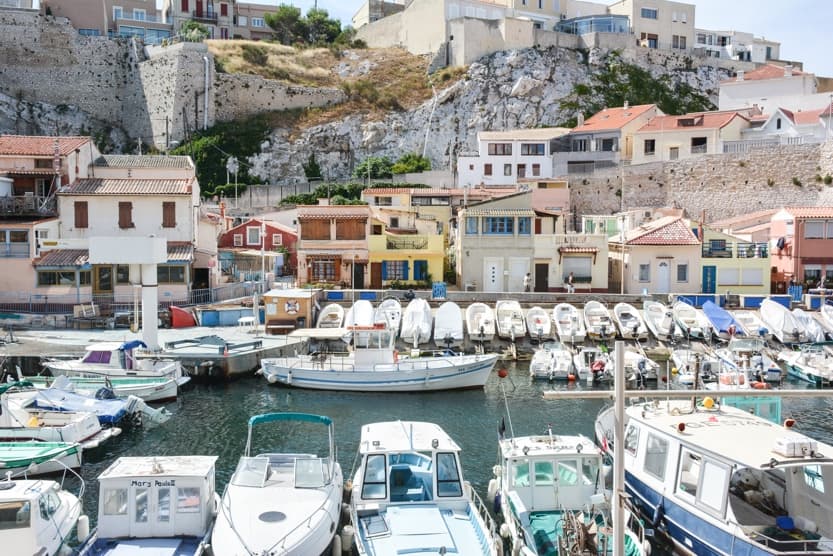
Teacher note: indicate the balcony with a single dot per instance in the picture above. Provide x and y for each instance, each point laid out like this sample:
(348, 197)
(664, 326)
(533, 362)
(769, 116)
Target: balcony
(699, 149)
(28, 205)
(207, 16)
(146, 18)
(409, 243)
(16, 250)
(733, 250)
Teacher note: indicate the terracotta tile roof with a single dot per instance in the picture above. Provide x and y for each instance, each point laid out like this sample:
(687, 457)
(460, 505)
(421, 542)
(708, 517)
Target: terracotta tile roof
(768, 71)
(28, 172)
(532, 134)
(110, 186)
(63, 257)
(500, 212)
(742, 219)
(142, 161)
(573, 249)
(436, 192)
(702, 120)
(669, 230)
(310, 212)
(612, 118)
(39, 145)
(386, 191)
(804, 117)
(810, 212)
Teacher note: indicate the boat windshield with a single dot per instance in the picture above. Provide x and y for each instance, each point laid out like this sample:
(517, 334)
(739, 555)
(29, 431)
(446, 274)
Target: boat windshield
(311, 473)
(746, 344)
(374, 339)
(251, 472)
(15, 514)
(102, 357)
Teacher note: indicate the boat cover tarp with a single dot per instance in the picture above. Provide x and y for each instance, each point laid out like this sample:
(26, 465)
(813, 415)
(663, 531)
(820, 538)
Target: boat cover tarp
(108, 411)
(132, 344)
(720, 318)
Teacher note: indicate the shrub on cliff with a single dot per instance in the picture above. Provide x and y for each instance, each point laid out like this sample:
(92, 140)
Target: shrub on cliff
(191, 31)
(411, 163)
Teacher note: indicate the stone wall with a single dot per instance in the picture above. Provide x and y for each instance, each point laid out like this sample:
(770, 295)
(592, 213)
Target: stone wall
(239, 96)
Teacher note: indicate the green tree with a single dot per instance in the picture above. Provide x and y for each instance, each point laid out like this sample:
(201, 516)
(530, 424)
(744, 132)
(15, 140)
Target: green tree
(192, 31)
(374, 167)
(287, 23)
(321, 29)
(312, 170)
(411, 163)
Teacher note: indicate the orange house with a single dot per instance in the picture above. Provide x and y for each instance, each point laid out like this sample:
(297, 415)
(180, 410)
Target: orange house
(801, 240)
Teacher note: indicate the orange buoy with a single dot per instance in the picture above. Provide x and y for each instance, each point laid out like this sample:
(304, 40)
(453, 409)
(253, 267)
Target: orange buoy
(502, 373)
(571, 377)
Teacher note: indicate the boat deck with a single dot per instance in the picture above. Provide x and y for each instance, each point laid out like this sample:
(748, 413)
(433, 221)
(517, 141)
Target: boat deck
(186, 546)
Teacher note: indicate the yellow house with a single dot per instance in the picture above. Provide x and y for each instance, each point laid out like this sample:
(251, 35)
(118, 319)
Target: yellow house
(730, 263)
(403, 248)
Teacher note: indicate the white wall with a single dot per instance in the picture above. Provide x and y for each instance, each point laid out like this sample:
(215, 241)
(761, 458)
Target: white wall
(654, 256)
(103, 213)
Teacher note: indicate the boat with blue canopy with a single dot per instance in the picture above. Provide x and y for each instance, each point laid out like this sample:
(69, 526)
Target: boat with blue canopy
(723, 322)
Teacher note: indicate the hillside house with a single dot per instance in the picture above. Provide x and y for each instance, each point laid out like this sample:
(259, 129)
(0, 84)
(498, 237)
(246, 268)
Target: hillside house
(332, 246)
(731, 263)
(736, 45)
(113, 18)
(404, 248)
(258, 243)
(802, 245)
(772, 86)
(659, 23)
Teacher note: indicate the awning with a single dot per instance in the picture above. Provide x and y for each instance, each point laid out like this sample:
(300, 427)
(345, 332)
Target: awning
(180, 252)
(574, 250)
(255, 253)
(74, 258)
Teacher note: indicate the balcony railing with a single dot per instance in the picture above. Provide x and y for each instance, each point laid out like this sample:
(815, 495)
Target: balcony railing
(14, 250)
(699, 149)
(148, 18)
(736, 250)
(407, 243)
(211, 17)
(763, 143)
(28, 205)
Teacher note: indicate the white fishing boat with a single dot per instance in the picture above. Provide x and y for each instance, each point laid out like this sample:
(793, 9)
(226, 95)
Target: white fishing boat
(389, 311)
(749, 354)
(36, 458)
(374, 365)
(812, 328)
(331, 316)
(569, 323)
(416, 322)
(409, 495)
(149, 389)
(509, 318)
(690, 364)
(114, 359)
(593, 364)
(40, 517)
(782, 323)
(811, 364)
(751, 323)
(480, 322)
(549, 489)
(155, 505)
(692, 321)
(553, 361)
(597, 321)
(282, 503)
(719, 480)
(660, 321)
(539, 323)
(629, 321)
(448, 325)
(360, 314)
(638, 366)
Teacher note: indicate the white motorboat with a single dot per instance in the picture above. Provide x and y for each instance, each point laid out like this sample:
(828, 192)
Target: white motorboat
(720, 480)
(569, 323)
(751, 323)
(480, 322)
(593, 364)
(360, 314)
(548, 490)
(539, 323)
(416, 322)
(509, 318)
(39, 517)
(448, 325)
(172, 507)
(810, 364)
(692, 322)
(660, 321)
(552, 361)
(750, 355)
(149, 389)
(375, 365)
(638, 366)
(409, 495)
(782, 323)
(692, 364)
(331, 316)
(630, 323)
(597, 321)
(282, 503)
(812, 328)
(18, 458)
(115, 359)
(389, 311)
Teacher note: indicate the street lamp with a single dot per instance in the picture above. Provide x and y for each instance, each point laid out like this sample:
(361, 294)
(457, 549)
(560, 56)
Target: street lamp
(232, 166)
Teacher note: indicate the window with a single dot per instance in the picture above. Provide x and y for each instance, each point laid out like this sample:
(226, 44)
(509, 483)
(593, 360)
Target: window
(140, 496)
(238, 240)
(812, 273)
(631, 439)
(813, 478)
(184, 6)
(520, 475)
(253, 235)
(543, 473)
(243, 21)
(540, 4)
(384, 201)
(448, 477)
(830, 229)
(689, 476)
(420, 270)
(16, 514)
(507, 169)
(536, 169)
(86, 277)
(650, 147)
(778, 123)
(374, 485)
(580, 266)
(396, 270)
(701, 38)
(174, 274)
(277, 240)
(500, 149)
(376, 230)
(500, 225)
(471, 225)
(580, 145)
(521, 170)
(122, 274)
(56, 278)
(223, 9)
(487, 169)
(139, 15)
(524, 226)
(323, 270)
(126, 215)
(115, 501)
(673, 153)
(699, 145)
(258, 22)
(117, 12)
(814, 229)
(752, 276)
(169, 214)
(682, 272)
(89, 32)
(656, 453)
(606, 145)
(81, 215)
(645, 272)
(532, 149)
(684, 17)
(568, 472)
(673, 16)
(650, 13)
(678, 41)
(352, 229)
(163, 505)
(188, 500)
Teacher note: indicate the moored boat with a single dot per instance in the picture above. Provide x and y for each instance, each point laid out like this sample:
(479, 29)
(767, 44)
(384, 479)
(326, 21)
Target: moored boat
(593, 364)
(480, 322)
(416, 322)
(660, 321)
(782, 323)
(448, 325)
(812, 328)
(114, 359)
(569, 323)
(331, 316)
(723, 323)
(509, 319)
(597, 321)
(553, 361)
(35, 458)
(538, 323)
(181, 318)
(629, 321)
(749, 354)
(692, 321)
(751, 323)
(810, 364)
(150, 389)
(389, 311)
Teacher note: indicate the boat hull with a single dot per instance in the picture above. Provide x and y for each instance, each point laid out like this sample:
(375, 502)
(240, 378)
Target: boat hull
(418, 375)
(49, 457)
(156, 391)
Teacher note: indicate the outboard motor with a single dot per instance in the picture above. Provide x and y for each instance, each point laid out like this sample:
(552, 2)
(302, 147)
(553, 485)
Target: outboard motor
(105, 393)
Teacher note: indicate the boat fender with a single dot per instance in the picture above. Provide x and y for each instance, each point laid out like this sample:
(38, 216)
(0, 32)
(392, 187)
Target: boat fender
(345, 513)
(517, 546)
(758, 385)
(289, 377)
(659, 515)
(497, 470)
(491, 492)
(498, 545)
(504, 530)
(347, 533)
(335, 546)
(646, 547)
(395, 356)
(82, 530)
(497, 503)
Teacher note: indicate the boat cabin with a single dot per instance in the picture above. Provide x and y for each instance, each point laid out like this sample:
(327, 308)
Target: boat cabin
(112, 354)
(166, 496)
(373, 345)
(30, 511)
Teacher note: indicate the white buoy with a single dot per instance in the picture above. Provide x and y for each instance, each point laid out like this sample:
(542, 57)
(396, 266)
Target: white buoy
(491, 492)
(347, 538)
(83, 528)
(504, 530)
(335, 546)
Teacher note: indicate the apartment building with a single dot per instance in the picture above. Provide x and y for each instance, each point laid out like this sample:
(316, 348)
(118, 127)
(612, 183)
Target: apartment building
(736, 45)
(659, 23)
(113, 18)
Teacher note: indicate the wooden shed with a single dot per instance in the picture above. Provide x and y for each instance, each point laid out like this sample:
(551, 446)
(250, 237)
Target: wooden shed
(286, 310)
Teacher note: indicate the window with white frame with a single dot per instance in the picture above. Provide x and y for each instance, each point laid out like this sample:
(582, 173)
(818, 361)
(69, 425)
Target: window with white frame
(242, 21)
(238, 240)
(277, 239)
(471, 225)
(253, 235)
(728, 277)
(118, 13)
(139, 15)
(814, 229)
(682, 272)
(396, 270)
(656, 456)
(645, 272)
(649, 13)
(507, 169)
(812, 273)
(258, 22)
(830, 229)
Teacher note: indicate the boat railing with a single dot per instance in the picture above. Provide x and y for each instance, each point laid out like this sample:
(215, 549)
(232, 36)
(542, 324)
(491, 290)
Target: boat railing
(345, 364)
(482, 510)
(305, 523)
(791, 545)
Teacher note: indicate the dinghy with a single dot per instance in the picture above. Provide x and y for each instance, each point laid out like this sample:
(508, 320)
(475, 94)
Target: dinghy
(552, 361)
(480, 322)
(782, 323)
(690, 362)
(723, 323)
(691, 321)
(569, 323)
(331, 316)
(448, 325)
(749, 354)
(359, 315)
(282, 503)
(593, 364)
(36, 458)
(149, 389)
(416, 322)
(751, 323)
(630, 323)
(509, 318)
(539, 324)
(389, 311)
(597, 320)
(810, 364)
(812, 328)
(660, 321)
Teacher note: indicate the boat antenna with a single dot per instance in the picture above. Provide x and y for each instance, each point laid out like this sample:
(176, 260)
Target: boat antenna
(503, 373)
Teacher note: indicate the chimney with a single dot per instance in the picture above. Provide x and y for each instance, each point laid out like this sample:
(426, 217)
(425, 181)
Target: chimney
(740, 75)
(788, 70)
(579, 119)
(627, 105)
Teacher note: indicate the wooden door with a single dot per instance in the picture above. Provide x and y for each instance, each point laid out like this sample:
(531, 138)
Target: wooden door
(376, 276)
(542, 272)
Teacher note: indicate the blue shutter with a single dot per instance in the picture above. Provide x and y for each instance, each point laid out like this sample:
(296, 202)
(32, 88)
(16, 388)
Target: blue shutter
(420, 270)
(384, 270)
(404, 270)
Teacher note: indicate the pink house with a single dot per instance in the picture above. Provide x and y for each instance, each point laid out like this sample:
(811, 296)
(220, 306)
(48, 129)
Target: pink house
(802, 245)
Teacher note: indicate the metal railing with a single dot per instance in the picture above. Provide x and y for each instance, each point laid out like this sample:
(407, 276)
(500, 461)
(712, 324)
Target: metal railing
(14, 250)
(204, 15)
(407, 243)
(28, 205)
(769, 142)
(735, 250)
(144, 19)
(699, 149)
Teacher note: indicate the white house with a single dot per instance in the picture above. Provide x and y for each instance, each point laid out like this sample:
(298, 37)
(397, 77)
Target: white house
(508, 157)
(785, 126)
(737, 45)
(659, 23)
(770, 87)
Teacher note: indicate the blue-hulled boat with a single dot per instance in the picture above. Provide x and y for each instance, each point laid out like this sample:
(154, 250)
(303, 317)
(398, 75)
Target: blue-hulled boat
(723, 322)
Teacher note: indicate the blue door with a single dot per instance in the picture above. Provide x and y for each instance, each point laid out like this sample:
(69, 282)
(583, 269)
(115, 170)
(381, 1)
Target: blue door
(709, 279)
